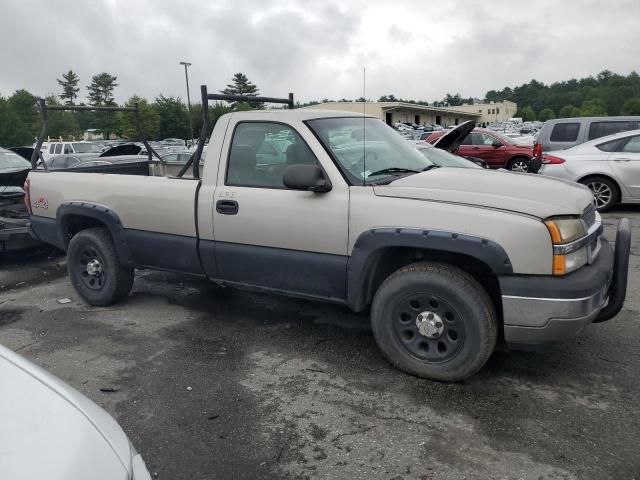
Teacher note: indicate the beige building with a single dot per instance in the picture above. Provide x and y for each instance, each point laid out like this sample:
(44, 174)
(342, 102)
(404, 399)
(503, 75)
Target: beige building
(394, 112)
(491, 112)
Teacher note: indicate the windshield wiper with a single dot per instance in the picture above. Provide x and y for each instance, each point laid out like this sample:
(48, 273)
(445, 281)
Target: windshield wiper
(429, 167)
(393, 170)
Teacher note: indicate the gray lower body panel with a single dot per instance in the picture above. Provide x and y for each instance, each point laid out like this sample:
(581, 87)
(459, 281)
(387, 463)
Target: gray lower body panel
(540, 309)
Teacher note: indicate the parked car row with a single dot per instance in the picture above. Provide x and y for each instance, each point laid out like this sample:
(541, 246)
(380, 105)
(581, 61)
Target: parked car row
(602, 153)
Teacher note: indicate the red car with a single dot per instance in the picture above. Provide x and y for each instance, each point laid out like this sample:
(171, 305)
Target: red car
(495, 149)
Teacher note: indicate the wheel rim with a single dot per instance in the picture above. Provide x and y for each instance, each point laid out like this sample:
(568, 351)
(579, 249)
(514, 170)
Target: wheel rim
(519, 166)
(428, 328)
(91, 269)
(601, 192)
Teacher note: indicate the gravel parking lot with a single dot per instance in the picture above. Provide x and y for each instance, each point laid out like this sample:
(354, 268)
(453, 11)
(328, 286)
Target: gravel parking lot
(214, 383)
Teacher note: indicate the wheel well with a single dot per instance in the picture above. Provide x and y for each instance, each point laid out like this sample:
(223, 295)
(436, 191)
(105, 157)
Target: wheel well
(72, 224)
(387, 260)
(517, 157)
(601, 175)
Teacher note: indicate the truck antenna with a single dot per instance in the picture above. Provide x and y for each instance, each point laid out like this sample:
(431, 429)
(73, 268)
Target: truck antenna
(364, 125)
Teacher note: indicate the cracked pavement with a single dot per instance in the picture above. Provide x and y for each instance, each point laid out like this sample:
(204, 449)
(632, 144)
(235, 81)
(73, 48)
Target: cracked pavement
(211, 383)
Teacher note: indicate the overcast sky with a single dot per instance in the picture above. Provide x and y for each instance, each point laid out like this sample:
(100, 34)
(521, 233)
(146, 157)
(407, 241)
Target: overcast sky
(317, 49)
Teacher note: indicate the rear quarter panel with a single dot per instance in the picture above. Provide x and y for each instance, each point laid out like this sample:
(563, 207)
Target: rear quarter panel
(155, 204)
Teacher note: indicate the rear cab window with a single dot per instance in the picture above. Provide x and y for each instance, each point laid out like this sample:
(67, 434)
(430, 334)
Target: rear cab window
(565, 132)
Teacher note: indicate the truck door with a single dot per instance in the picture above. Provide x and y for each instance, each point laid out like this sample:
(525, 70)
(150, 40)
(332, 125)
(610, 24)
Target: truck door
(267, 235)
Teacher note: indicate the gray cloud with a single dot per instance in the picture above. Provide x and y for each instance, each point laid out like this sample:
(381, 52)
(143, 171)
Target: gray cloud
(316, 49)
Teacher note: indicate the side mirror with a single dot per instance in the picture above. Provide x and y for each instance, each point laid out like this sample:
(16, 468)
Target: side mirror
(496, 143)
(306, 177)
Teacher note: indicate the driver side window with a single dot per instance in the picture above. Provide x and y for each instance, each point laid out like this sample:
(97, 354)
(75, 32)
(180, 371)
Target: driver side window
(261, 151)
(488, 139)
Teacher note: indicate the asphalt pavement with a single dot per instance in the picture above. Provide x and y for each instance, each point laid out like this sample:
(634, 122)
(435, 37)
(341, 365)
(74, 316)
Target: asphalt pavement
(210, 383)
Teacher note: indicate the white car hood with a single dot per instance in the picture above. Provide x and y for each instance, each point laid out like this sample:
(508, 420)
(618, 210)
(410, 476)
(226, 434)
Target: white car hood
(49, 430)
(529, 194)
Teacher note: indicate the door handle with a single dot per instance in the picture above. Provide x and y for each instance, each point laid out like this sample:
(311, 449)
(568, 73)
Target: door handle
(621, 159)
(227, 207)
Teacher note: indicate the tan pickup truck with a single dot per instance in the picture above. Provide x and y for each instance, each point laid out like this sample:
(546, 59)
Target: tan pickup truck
(338, 207)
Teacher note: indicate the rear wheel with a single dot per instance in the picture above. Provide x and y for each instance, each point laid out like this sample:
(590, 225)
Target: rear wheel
(435, 321)
(518, 164)
(605, 192)
(95, 270)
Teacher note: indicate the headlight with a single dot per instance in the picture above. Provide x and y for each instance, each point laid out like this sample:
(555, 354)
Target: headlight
(564, 231)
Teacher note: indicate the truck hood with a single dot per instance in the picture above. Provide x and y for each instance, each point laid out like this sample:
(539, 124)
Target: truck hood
(534, 195)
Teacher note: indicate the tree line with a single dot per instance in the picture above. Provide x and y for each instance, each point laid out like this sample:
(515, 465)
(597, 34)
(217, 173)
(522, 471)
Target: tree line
(607, 93)
(164, 117)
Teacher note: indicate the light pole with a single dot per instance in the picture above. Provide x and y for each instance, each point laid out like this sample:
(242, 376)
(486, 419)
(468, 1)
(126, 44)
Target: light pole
(186, 77)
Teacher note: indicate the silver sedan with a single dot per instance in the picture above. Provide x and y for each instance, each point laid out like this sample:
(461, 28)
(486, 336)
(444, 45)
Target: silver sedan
(609, 166)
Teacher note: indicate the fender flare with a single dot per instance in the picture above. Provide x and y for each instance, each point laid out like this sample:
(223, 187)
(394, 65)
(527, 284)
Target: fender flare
(371, 242)
(104, 215)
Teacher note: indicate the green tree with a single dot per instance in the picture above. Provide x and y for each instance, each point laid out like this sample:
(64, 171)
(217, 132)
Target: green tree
(453, 100)
(23, 104)
(61, 124)
(101, 95)
(526, 113)
(387, 98)
(101, 90)
(216, 110)
(631, 107)
(12, 129)
(240, 85)
(174, 117)
(592, 108)
(569, 111)
(149, 120)
(546, 114)
(69, 83)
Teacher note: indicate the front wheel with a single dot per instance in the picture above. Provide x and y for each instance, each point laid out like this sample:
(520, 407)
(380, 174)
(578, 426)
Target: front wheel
(435, 321)
(95, 270)
(518, 165)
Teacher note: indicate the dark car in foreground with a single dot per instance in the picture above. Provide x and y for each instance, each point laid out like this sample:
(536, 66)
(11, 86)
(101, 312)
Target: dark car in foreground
(13, 212)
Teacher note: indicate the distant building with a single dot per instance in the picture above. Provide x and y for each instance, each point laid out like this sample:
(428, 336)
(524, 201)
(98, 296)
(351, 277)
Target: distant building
(394, 112)
(491, 112)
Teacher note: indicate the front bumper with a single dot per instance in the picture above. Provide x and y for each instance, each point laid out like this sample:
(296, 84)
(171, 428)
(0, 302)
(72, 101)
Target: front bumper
(540, 309)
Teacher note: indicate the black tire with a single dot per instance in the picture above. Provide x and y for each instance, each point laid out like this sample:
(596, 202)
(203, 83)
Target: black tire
(605, 191)
(457, 300)
(109, 281)
(518, 164)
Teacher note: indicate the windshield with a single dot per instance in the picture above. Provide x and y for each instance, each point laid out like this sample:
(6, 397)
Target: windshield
(446, 159)
(365, 146)
(86, 148)
(9, 159)
(502, 137)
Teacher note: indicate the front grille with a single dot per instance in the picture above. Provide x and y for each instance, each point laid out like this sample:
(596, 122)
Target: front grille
(589, 215)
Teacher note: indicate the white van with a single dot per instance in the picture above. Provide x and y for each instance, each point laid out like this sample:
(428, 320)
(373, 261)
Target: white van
(58, 148)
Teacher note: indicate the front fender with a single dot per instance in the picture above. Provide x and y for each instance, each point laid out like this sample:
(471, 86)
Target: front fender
(371, 242)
